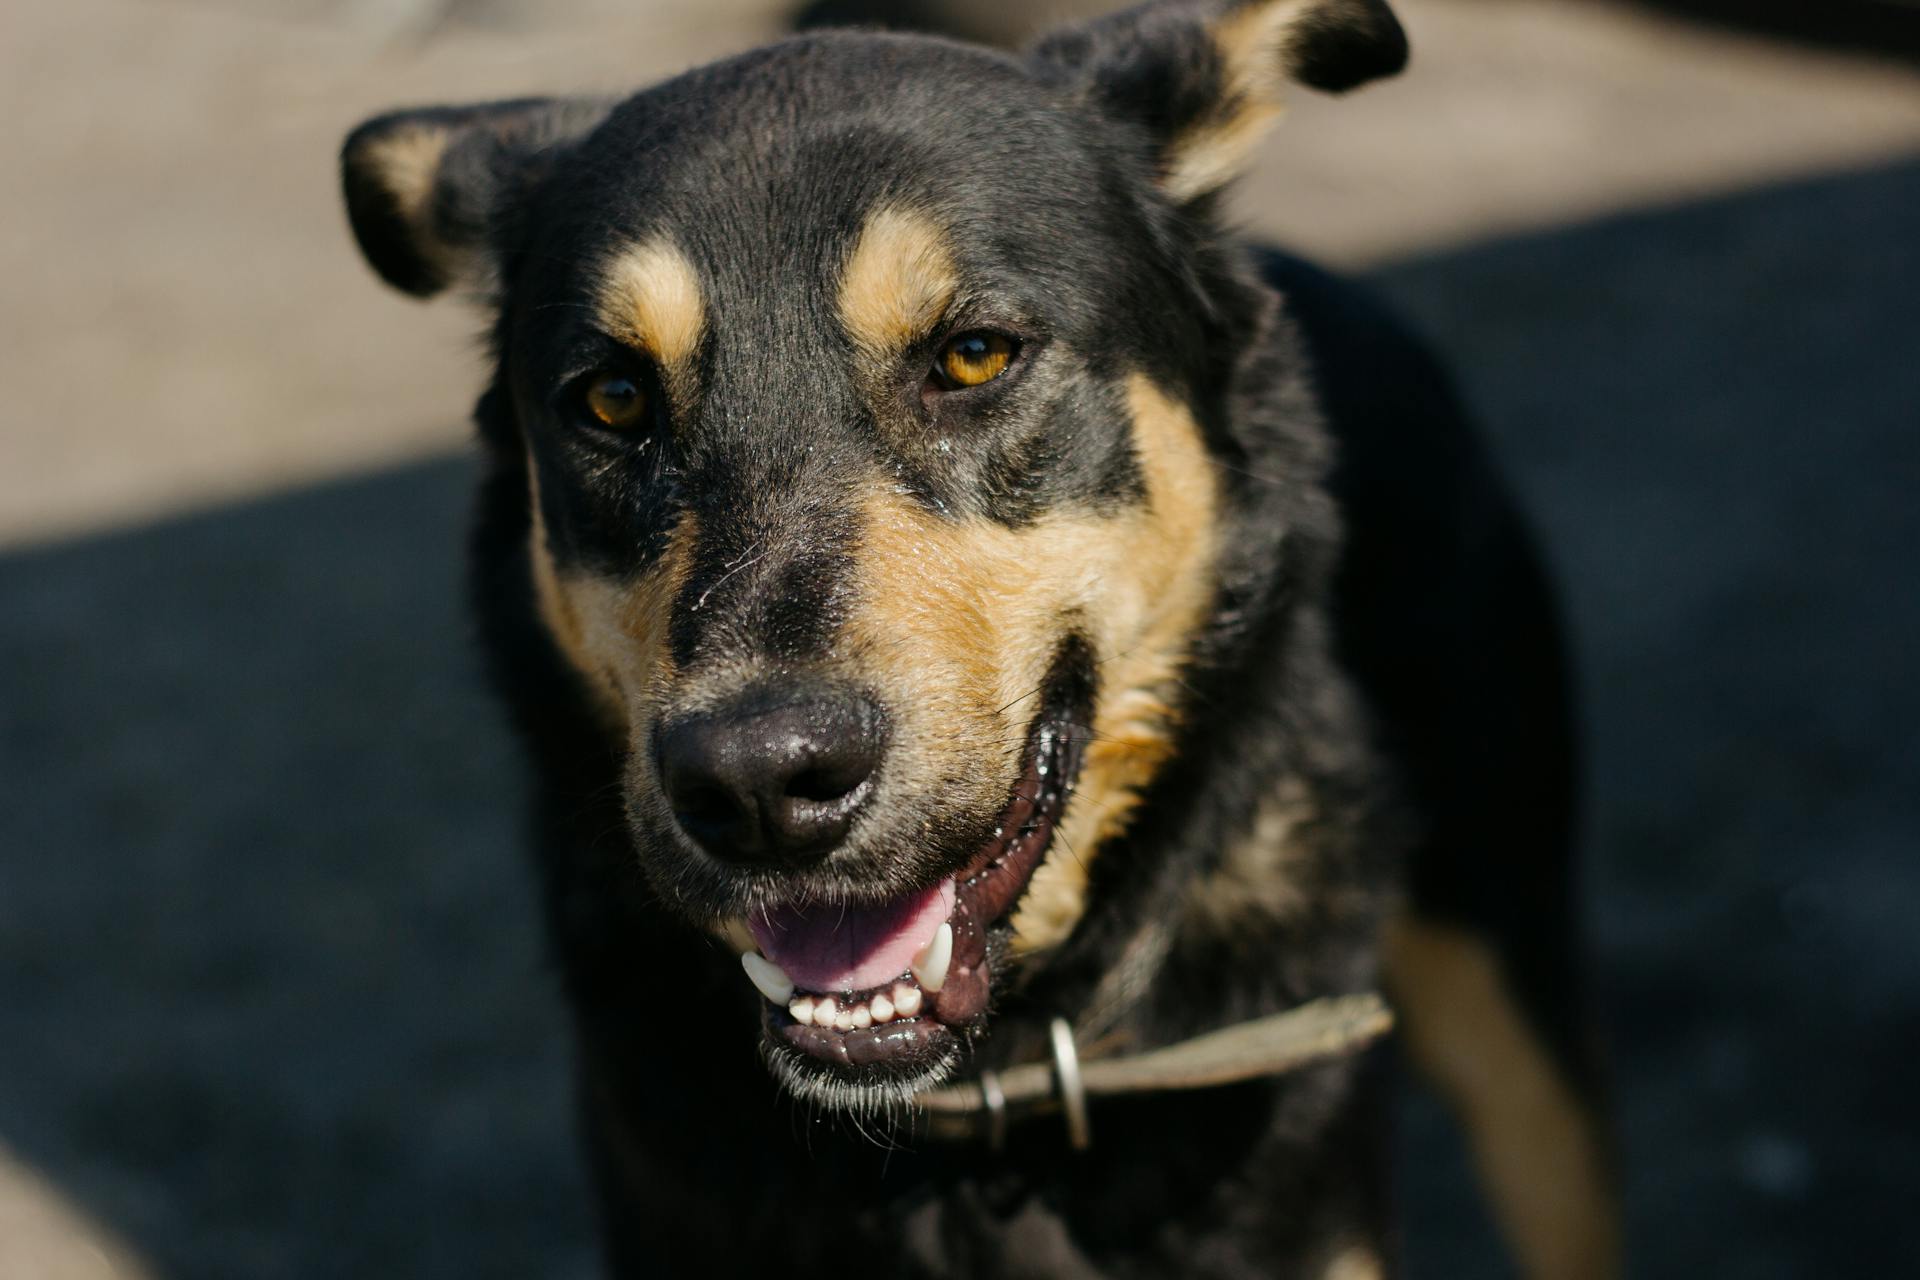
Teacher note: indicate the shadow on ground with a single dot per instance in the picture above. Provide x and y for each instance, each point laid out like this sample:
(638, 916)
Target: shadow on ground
(1881, 28)
(1715, 415)
(270, 995)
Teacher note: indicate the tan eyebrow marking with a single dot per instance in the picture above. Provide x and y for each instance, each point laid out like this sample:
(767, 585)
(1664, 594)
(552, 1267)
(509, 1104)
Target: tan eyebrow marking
(651, 298)
(900, 279)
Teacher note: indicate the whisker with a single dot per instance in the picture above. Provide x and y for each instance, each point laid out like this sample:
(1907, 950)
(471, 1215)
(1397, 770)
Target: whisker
(1073, 853)
(737, 567)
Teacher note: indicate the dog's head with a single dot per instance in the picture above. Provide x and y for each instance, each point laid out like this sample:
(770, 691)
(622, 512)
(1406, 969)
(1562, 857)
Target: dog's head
(869, 394)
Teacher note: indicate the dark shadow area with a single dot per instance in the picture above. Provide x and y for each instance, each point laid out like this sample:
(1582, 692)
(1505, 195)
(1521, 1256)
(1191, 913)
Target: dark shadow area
(909, 15)
(936, 16)
(271, 997)
(1888, 29)
(1884, 28)
(1714, 411)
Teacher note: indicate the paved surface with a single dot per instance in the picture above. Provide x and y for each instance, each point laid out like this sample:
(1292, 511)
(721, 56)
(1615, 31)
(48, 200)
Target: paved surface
(185, 320)
(271, 1003)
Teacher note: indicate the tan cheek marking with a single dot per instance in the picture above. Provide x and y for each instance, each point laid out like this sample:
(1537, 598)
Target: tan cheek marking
(1252, 45)
(613, 634)
(899, 281)
(651, 298)
(967, 617)
(1159, 571)
(1537, 1148)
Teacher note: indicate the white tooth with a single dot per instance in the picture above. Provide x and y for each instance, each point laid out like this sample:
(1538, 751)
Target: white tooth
(882, 1009)
(825, 1012)
(802, 1010)
(769, 977)
(843, 1021)
(906, 1000)
(734, 932)
(862, 1016)
(930, 966)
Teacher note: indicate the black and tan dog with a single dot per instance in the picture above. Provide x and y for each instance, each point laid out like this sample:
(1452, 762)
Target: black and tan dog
(937, 568)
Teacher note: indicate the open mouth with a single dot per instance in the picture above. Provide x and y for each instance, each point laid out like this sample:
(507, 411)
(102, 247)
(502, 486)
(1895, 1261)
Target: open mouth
(887, 989)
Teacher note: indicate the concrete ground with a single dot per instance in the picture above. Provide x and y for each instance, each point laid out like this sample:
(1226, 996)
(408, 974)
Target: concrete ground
(271, 1003)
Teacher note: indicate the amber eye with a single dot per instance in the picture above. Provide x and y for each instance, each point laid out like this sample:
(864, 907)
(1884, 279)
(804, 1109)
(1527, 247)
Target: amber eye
(615, 401)
(973, 359)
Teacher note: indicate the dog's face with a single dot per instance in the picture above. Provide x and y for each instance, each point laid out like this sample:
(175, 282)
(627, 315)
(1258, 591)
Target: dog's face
(863, 396)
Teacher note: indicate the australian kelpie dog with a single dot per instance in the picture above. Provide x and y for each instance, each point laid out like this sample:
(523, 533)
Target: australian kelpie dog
(956, 595)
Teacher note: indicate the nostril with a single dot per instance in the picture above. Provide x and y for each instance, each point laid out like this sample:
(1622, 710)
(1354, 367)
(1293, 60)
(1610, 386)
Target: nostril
(702, 803)
(757, 783)
(826, 783)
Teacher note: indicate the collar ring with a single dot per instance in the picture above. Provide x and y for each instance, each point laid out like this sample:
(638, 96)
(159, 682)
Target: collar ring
(1073, 1089)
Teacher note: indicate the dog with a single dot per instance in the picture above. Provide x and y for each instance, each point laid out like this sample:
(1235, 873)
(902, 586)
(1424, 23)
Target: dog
(967, 610)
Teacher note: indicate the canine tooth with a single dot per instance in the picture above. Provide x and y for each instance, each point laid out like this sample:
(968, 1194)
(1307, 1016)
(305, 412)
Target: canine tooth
(825, 1012)
(769, 977)
(882, 1008)
(930, 966)
(802, 1010)
(862, 1016)
(843, 1020)
(906, 1000)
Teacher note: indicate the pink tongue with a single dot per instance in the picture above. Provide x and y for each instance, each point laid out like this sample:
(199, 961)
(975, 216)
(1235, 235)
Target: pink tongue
(830, 948)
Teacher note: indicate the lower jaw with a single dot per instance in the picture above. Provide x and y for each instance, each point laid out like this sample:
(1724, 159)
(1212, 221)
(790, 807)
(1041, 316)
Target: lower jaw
(902, 1035)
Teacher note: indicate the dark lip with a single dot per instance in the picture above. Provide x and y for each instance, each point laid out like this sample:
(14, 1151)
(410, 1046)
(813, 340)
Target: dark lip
(987, 890)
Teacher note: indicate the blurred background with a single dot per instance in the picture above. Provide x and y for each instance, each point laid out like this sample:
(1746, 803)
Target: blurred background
(271, 999)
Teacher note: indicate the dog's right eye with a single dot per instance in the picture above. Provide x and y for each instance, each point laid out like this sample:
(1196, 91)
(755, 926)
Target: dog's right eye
(973, 360)
(613, 401)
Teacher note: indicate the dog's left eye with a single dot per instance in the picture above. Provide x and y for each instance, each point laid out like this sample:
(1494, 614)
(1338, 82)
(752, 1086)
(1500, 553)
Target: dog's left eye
(973, 360)
(614, 401)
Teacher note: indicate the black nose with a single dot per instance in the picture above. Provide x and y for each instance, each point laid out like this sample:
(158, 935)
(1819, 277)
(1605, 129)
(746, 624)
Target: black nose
(772, 780)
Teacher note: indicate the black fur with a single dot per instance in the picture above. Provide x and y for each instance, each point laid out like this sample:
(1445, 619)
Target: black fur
(494, 152)
(1410, 687)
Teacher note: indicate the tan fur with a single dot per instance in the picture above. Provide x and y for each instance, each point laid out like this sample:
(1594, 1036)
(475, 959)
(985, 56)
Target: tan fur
(964, 618)
(1539, 1152)
(406, 163)
(1252, 42)
(613, 634)
(651, 297)
(898, 282)
(1257, 879)
(1355, 1262)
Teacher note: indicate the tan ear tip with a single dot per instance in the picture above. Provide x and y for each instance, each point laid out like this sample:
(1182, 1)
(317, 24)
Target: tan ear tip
(387, 171)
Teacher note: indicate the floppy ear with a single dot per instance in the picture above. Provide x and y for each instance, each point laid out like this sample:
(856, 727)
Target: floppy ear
(1204, 78)
(427, 188)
